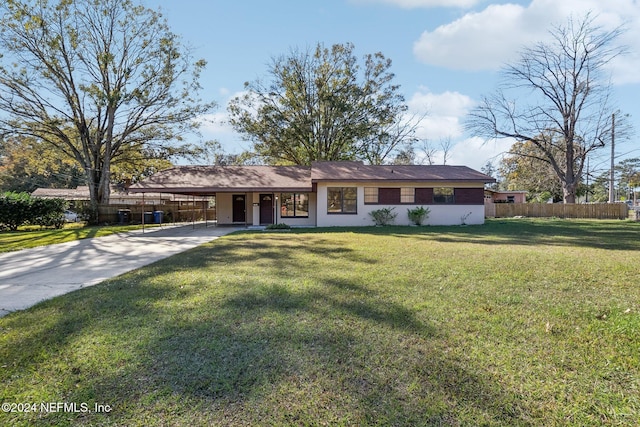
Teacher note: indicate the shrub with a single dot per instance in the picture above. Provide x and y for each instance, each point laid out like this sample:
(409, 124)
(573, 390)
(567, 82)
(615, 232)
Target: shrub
(384, 216)
(418, 215)
(281, 226)
(17, 209)
(47, 212)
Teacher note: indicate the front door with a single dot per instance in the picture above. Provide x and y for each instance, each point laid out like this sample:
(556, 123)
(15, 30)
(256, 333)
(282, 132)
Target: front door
(239, 208)
(266, 209)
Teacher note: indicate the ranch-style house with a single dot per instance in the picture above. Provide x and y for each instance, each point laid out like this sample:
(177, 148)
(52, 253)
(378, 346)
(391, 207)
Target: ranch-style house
(328, 193)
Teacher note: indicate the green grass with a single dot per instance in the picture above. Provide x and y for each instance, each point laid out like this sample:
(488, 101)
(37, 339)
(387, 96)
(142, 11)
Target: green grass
(517, 322)
(31, 237)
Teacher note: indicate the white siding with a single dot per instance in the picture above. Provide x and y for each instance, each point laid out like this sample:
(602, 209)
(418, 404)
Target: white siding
(439, 214)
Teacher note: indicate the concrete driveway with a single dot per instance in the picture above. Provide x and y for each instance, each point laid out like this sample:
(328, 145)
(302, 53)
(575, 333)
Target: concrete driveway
(33, 275)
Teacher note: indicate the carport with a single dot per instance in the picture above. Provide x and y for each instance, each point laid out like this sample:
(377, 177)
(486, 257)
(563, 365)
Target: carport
(244, 195)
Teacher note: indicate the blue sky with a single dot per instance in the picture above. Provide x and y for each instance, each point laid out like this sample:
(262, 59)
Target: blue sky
(446, 53)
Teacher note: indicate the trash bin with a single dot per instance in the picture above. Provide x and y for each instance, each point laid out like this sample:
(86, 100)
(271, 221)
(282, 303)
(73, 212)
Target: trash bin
(148, 217)
(157, 217)
(124, 216)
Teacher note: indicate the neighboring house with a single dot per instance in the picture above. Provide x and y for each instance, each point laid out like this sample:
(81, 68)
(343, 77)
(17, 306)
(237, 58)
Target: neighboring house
(328, 193)
(506, 196)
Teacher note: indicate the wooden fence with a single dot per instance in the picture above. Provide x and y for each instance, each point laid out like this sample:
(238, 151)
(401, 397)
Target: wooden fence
(171, 212)
(558, 210)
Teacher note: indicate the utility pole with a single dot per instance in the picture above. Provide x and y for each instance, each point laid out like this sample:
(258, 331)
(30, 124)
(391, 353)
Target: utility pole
(612, 196)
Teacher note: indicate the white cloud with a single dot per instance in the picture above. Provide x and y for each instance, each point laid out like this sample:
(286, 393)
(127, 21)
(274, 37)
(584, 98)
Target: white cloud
(492, 37)
(443, 122)
(479, 40)
(442, 113)
(476, 152)
(414, 4)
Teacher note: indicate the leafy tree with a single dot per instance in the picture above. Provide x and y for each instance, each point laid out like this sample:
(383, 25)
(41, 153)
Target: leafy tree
(405, 156)
(599, 188)
(626, 180)
(489, 169)
(97, 79)
(567, 106)
(523, 168)
(629, 172)
(28, 163)
(212, 153)
(323, 105)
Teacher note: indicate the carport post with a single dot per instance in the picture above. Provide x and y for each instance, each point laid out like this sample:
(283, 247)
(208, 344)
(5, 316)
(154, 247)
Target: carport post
(142, 212)
(193, 211)
(204, 211)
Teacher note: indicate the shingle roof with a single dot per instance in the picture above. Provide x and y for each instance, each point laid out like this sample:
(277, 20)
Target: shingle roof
(80, 193)
(216, 179)
(357, 171)
(213, 179)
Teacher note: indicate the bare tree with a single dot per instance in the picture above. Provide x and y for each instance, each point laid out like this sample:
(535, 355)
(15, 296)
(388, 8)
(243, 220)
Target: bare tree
(446, 145)
(561, 99)
(431, 151)
(97, 79)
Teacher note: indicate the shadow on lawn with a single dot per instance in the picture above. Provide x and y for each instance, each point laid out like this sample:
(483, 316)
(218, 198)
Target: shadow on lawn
(334, 351)
(610, 235)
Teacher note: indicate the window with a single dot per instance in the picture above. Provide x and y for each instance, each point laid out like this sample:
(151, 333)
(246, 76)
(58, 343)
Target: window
(342, 200)
(443, 195)
(407, 195)
(370, 195)
(294, 205)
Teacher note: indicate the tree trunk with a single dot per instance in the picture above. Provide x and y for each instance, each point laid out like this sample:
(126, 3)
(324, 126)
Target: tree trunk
(99, 191)
(569, 191)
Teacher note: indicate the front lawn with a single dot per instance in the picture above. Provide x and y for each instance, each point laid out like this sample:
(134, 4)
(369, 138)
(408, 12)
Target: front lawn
(31, 237)
(517, 322)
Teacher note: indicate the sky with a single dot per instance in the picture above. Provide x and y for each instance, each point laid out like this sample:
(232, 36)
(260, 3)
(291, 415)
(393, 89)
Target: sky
(446, 54)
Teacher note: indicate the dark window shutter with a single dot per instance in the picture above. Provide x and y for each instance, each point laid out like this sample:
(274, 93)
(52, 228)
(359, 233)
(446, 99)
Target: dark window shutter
(469, 196)
(389, 196)
(424, 196)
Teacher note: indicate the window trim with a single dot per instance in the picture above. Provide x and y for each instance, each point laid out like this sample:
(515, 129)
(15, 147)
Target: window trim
(342, 200)
(295, 205)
